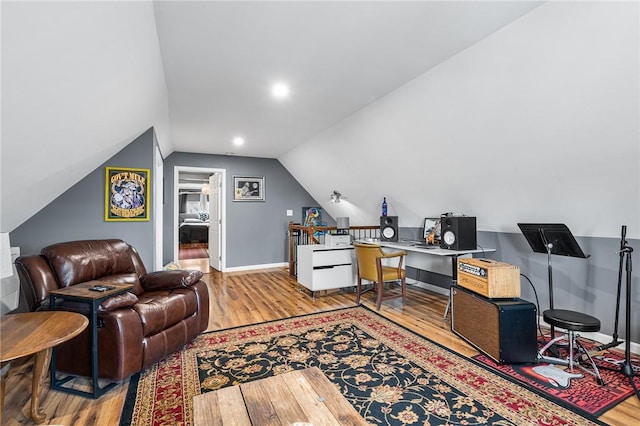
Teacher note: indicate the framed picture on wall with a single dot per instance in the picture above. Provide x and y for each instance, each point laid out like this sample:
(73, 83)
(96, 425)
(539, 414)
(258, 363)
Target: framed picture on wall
(248, 188)
(126, 195)
(312, 216)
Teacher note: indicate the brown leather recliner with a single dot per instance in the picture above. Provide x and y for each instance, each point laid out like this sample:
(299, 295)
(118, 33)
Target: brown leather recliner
(164, 310)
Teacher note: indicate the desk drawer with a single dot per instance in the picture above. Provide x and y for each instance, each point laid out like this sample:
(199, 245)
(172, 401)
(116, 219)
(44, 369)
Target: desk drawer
(332, 277)
(332, 257)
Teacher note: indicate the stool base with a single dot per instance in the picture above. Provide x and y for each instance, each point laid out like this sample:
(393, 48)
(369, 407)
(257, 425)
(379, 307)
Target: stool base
(576, 353)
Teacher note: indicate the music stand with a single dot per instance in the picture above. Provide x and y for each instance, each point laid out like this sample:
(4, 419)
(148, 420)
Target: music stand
(555, 238)
(551, 238)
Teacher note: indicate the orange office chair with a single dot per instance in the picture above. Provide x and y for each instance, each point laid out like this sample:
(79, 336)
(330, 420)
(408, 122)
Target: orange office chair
(369, 259)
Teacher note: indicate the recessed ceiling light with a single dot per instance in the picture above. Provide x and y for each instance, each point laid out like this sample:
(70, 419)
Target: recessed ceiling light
(280, 90)
(238, 141)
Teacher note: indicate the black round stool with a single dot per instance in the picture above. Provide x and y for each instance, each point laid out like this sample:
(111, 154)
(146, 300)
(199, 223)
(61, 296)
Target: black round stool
(572, 322)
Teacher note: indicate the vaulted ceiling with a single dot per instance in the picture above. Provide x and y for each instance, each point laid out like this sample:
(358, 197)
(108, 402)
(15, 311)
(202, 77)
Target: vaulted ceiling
(80, 80)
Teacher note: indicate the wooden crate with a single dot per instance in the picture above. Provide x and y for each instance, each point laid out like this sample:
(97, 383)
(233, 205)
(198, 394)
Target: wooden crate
(489, 278)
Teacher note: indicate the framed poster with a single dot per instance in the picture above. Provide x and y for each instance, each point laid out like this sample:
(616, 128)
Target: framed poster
(126, 196)
(312, 216)
(248, 188)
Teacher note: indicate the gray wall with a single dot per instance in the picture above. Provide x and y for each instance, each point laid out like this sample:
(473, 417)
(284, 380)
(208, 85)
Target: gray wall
(256, 231)
(583, 285)
(78, 213)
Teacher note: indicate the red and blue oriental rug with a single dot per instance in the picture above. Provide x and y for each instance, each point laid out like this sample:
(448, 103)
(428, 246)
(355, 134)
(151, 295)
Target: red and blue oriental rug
(578, 390)
(391, 375)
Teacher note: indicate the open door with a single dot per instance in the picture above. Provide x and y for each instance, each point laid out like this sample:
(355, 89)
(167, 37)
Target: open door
(215, 222)
(192, 181)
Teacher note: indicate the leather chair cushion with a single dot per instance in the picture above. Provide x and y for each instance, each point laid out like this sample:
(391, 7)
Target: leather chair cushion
(166, 280)
(169, 340)
(82, 261)
(390, 273)
(159, 310)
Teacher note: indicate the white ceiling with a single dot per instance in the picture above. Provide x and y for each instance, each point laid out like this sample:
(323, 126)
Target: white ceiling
(221, 57)
(80, 80)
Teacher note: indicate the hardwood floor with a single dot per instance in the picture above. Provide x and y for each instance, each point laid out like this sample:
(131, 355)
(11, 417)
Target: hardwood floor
(246, 298)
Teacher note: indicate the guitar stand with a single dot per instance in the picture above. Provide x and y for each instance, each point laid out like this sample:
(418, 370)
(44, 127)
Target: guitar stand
(574, 357)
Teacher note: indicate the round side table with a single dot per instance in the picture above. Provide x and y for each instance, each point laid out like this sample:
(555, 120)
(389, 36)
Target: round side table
(37, 333)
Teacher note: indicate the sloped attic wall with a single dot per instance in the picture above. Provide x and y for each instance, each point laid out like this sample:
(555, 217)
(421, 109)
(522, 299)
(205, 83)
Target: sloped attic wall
(538, 122)
(80, 81)
(78, 214)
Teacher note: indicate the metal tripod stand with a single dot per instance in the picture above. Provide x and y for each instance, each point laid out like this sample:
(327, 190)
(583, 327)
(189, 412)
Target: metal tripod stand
(625, 263)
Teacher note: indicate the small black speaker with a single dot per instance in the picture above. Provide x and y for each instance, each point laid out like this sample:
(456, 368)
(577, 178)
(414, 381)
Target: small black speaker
(458, 233)
(389, 228)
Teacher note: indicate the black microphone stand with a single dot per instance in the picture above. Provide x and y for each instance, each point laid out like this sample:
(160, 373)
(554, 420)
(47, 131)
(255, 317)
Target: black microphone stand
(627, 368)
(625, 263)
(615, 342)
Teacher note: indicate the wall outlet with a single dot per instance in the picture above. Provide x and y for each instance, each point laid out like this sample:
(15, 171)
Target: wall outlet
(289, 212)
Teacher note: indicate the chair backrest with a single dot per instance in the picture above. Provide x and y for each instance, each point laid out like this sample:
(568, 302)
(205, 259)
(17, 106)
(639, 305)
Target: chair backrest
(366, 255)
(65, 264)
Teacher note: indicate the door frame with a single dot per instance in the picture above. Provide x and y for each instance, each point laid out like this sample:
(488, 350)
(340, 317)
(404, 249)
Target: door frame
(223, 208)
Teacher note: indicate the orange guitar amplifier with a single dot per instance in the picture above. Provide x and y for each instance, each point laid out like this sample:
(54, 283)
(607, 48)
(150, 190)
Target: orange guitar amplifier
(489, 278)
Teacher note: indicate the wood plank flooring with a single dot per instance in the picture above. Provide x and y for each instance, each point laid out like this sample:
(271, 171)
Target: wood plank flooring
(247, 298)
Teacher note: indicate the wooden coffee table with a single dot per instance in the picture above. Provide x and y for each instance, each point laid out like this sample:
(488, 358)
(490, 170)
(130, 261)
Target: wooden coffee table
(35, 333)
(298, 397)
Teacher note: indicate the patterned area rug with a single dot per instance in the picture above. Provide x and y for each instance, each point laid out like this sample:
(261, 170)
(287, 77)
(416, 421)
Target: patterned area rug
(392, 376)
(579, 393)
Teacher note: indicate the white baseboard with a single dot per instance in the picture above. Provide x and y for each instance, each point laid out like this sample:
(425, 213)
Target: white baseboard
(598, 337)
(254, 267)
(430, 287)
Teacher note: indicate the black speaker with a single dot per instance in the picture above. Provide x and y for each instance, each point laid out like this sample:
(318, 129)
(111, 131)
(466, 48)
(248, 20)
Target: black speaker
(389, 228)
(502, 329)
(458, 233)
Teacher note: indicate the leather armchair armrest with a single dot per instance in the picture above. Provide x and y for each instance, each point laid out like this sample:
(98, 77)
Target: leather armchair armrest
(399, 254)
(119, 301)
(124, 300)
(167, 280)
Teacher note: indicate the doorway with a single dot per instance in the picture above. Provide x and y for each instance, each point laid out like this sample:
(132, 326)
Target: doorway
(199, 228)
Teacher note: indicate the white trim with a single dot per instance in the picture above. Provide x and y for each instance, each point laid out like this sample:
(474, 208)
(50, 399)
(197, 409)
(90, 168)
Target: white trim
(254, 267)
(223, 208)
(158, 177)
(430, 287)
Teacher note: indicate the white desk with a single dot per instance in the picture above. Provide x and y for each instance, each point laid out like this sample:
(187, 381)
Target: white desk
(418, 248)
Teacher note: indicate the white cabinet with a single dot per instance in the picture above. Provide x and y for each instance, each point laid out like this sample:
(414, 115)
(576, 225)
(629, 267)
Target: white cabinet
(321, 267)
